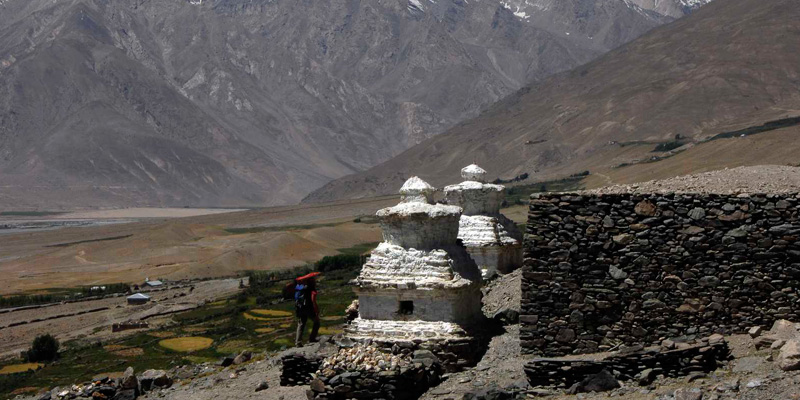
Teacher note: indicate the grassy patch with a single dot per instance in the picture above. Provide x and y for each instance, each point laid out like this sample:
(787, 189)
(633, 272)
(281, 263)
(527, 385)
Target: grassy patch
(667, 146)
(271, 313)
(366, 219)
(520, 194)
(359, 249)
(766, 127)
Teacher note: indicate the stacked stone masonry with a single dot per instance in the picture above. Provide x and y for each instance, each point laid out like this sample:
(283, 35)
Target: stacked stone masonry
(670, 359)
(632, 269)
(298, 369)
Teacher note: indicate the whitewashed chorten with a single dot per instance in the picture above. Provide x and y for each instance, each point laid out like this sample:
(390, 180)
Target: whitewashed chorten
(419, 283)
(492, 240)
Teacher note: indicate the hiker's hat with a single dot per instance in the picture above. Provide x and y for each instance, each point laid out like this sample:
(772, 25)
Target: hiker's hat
(308, 276)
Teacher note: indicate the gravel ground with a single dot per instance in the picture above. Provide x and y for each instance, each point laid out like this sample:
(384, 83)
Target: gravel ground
(750, 375)
(229, 384)
(740, 180)
(502, 367)
(503, 292)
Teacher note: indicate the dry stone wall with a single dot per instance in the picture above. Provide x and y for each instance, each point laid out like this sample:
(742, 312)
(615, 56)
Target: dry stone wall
(632, 269)
(298, 369)
(670, 359)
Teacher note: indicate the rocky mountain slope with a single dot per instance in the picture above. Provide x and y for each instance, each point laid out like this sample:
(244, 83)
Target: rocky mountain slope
(258, 102)
(730, 65)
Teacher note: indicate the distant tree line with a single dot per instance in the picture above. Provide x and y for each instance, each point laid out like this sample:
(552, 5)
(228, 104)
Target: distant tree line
(83, 292)
(326, 264)
(517, 178)
(261, 283)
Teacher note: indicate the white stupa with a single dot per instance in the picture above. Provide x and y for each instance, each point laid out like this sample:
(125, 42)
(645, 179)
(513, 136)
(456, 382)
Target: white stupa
(492, 240)
(419, 283)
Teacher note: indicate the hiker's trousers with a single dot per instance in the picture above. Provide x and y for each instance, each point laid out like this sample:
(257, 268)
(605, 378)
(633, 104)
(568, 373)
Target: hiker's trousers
(302, 318)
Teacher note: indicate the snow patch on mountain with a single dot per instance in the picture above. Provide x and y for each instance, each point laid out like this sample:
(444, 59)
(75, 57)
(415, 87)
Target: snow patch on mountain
(516, 10)
(525, 9)
(694, 3)
(416, 5)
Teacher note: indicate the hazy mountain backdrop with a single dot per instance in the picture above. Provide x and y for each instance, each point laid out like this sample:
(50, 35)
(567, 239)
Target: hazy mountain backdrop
(259, 102)
(731, 65)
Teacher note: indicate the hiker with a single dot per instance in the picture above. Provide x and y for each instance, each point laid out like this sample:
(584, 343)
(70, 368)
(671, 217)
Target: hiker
(305, 299)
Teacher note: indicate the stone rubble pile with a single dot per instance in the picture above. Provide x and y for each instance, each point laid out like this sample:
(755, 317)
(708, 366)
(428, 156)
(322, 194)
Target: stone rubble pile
(784, 337)
(670, 359)
(299, 369)
(366, 372)
(362, 358)
(128, 387)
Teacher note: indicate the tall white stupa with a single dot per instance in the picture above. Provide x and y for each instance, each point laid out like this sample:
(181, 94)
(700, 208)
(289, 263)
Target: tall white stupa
(419, 283)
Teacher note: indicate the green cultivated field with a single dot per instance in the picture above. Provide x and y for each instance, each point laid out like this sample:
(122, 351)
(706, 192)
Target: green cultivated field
(233, 325)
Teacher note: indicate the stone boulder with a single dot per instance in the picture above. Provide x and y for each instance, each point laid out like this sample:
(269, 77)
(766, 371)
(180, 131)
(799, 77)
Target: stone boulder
(755, 331)
(128, 394)
(226, 362)
(783, 329)
(262, 386)
(506, 316)
(602, 381)
(129, 380)
(155, 378)
(351, 312)
(242, 358)
(789, 357)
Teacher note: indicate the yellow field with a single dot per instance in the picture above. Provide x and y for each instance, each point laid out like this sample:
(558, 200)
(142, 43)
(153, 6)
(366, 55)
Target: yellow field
(254, 318)
(17, 368)
(186, 344)
(328, 330)
(272, 313)
(265, 330)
